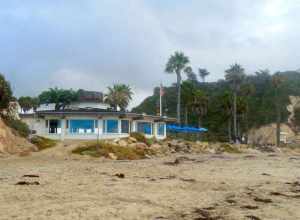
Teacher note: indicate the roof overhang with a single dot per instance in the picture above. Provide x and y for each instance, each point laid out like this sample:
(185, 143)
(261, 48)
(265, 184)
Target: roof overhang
(100, 114)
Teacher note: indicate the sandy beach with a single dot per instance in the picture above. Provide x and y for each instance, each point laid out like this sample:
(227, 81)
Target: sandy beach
(206, 186)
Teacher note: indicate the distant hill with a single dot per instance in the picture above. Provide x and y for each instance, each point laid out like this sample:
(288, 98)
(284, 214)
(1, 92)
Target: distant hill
(261, 104)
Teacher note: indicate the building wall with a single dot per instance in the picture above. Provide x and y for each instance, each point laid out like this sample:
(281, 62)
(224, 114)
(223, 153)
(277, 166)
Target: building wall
(97, 105)
(39, 126)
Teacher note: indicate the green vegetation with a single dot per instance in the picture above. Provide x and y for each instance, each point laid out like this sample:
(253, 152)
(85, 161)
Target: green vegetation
(255, 103)
(119, 96)
(177, 64)
(43, 143)
(27, 103)
(18, 127)
(5, 93)
(60, 97)
(227, 148)
(140, 137)
(103, 149)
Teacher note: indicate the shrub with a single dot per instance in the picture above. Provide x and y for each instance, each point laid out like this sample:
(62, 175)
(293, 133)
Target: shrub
(103, 149)
(140, 137)
(228, 149)
(5, 93)
(18, 126)
(42, 142)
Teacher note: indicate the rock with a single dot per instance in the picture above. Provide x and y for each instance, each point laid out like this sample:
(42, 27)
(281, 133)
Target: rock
(133, 145)
(132, 139)
(123, 143)
(116, 140)
(157, 146)
(141, 145)
(112, 156)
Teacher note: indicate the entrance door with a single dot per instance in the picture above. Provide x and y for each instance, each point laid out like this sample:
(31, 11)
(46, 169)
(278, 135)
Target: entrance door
(54, 125)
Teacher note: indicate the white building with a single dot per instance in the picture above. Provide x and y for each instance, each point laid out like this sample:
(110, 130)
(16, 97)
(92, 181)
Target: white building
(89, 119)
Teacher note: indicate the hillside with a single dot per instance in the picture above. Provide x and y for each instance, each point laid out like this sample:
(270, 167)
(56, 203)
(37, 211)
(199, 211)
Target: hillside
(260, 104)
(11, 143)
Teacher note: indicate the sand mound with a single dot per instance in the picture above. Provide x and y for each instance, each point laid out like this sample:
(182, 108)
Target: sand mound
(12, 143)
(266, 135)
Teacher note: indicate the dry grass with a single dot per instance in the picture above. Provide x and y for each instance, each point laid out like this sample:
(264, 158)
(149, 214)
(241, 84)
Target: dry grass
(43, 143)
(103, 149)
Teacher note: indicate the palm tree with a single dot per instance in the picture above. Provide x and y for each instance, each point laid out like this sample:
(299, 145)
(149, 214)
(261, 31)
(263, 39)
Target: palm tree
(203, 73)
(235, 76)
(200, 105)
(176, 64)
(277, 80)
(191, 76)
(226, 104)
(247, 91)
(188, 89)
(119, 96)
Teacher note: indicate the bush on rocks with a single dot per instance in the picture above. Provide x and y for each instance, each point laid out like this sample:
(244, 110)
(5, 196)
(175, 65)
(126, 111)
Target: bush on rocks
(106, 149)
(42, 143)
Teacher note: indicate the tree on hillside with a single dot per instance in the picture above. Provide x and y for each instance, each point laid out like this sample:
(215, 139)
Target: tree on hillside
(60, 97)
(187, 96)
(200, 105)
(119, 96)
(191, 76)
(5, 92)
(176, 64)
(235, 76)
(27, 103)
(277, 81)
(226, 105)
(203, 73)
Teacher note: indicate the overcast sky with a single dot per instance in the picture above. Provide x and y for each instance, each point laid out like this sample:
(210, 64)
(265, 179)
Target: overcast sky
(92, 44)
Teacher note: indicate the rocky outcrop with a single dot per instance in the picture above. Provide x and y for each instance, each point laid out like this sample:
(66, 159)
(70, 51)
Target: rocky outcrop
(10, 143)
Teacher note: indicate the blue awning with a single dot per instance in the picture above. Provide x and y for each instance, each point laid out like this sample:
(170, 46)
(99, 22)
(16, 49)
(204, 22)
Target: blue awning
(175, 128)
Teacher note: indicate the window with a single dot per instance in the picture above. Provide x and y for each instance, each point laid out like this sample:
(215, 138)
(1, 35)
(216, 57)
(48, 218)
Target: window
(82, 126)
(54, 127)
(144, 127)
(124, 126)
(161, 129)
(112, 126)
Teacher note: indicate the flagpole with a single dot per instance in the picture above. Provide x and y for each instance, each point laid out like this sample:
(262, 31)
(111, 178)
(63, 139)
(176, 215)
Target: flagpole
(160, 101)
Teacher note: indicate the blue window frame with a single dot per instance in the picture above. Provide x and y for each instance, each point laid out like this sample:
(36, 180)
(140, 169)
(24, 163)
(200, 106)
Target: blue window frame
(161, 129)
(144, 127)
(112, 126)
(82, 126)
(124, 126)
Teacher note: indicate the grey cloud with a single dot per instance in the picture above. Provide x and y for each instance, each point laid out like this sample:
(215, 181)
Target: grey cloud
(93, 44)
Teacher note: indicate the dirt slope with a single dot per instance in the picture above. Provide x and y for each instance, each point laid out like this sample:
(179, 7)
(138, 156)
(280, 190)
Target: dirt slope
(11, 143)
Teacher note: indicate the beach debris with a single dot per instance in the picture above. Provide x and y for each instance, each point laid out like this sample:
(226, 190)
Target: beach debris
(258, 199)
(252, 217)
(22, 183)
(120, 175)
(266, 174)
(206, 215)
(168, 177)
(250, 207)
(188, 180)
(31, 176)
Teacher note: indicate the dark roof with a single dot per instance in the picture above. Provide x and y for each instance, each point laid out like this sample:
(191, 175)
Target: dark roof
(102, 112)
(88, 96)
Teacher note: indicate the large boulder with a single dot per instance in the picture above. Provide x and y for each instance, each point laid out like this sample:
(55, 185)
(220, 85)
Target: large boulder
(123, 143)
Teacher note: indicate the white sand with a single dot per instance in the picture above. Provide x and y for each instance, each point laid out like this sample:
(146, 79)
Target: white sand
(73, 188)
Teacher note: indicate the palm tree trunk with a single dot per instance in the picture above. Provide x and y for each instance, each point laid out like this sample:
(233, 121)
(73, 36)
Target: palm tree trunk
(186, 115)
(178, 97)
(229, 129)
(234, 116)
(278, 123)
